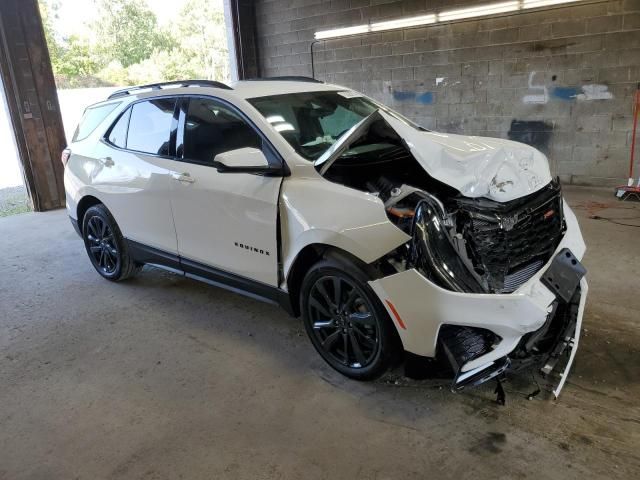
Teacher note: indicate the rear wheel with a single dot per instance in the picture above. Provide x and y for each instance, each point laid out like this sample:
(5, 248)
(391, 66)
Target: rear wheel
(346, 322)
(105, 245)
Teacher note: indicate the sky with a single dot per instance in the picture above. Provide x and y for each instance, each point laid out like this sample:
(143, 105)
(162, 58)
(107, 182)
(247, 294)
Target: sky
(74, 15)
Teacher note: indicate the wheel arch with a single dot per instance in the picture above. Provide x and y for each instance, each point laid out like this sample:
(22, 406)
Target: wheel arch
(85, 204)
(307, 257)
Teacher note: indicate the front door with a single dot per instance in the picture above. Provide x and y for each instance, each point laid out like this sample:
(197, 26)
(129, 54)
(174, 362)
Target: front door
(227, 221)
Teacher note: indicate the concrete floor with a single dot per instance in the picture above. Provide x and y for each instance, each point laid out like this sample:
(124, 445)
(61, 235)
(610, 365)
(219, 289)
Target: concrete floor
(165, 378)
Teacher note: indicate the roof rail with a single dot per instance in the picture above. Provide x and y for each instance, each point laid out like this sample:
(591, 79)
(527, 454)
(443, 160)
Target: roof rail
(287, 78)
(177, 83)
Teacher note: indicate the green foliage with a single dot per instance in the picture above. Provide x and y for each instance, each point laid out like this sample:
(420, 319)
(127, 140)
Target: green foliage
(127, 46)
(128, 31)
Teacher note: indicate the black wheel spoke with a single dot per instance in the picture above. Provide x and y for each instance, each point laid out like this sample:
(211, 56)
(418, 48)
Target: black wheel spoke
(345, 348)
(319, 307)
(363, 335)
(324, 324)
(362, 318)
(356, 349)
(350, 299)
(330, 341)
(337, 292)
(92, 229)
(325, 295)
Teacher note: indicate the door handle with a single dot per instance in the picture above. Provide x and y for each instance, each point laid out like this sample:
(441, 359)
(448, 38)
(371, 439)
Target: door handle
(184, 177)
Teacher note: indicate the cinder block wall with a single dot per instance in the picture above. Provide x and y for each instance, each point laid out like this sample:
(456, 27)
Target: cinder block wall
(561, 79)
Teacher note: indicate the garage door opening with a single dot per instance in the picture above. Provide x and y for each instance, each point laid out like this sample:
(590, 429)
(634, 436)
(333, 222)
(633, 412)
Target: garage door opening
(13, 193)
(122, 43)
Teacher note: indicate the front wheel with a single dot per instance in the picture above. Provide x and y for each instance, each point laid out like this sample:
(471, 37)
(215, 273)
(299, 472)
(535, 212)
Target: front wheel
(106, 246)
(346, 321)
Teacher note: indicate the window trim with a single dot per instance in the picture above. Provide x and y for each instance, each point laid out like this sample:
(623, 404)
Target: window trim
(172, 144)
(75, 137)
(107, 134)
(274, 157)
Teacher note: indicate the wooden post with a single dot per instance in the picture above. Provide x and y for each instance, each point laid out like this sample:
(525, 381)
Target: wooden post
(32, 101)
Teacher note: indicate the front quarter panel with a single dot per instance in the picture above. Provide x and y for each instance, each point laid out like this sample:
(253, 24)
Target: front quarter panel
(316, 211)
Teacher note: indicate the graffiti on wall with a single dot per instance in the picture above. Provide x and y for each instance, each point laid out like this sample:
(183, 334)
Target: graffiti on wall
(539, 93)
(425, 98)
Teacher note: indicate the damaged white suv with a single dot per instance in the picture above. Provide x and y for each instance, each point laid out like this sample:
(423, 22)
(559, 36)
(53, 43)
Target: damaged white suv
(383, 236)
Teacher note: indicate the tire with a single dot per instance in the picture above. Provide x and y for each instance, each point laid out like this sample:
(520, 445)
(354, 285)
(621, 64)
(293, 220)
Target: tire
(106, 246)
(359, 326)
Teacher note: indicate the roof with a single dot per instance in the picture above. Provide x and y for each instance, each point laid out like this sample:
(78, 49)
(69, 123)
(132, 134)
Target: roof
(262, 88)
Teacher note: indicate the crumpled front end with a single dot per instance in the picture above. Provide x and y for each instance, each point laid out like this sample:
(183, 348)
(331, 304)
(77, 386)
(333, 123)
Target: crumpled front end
(491, 286)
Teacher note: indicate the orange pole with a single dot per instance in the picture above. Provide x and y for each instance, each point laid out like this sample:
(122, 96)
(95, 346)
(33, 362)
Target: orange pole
(636, 107)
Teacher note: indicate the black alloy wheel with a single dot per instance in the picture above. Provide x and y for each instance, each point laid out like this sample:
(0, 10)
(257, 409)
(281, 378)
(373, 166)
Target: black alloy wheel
(102, 245)
(106, 246)
(346, 321)
(343, 321)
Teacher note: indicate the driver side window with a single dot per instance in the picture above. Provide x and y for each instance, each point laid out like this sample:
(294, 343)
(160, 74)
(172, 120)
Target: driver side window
(211, 128)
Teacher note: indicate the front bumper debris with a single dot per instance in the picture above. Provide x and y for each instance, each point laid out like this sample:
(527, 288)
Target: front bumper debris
(514, 318)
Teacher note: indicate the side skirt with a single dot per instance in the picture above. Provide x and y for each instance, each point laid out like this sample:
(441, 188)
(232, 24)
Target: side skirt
(213, 276)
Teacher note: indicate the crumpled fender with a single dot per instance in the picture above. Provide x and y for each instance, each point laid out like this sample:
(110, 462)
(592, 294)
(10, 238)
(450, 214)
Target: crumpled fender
(315, 211)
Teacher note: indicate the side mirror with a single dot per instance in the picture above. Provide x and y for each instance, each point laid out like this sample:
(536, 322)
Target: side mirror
(244, 160)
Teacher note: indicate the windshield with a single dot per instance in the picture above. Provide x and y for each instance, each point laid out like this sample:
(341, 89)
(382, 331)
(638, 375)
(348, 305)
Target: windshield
(313, 121)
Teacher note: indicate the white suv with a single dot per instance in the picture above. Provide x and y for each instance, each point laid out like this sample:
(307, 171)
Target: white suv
(383, 236)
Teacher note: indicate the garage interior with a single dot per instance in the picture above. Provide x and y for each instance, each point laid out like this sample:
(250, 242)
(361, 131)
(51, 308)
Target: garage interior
(163, 377)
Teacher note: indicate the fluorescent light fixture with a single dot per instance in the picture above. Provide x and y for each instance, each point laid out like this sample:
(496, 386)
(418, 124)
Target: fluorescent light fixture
(544, 3)
(342, 32)
(445, 16)
(489, 9)
(403, 23)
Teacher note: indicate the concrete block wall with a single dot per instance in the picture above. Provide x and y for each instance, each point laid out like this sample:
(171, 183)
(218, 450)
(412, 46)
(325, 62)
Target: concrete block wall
(561, 79)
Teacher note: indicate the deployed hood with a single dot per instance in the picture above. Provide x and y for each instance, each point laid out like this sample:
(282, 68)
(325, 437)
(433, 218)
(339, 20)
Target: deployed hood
(501, 170)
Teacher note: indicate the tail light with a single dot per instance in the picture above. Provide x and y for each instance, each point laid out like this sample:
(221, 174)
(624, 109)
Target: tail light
(66, 153)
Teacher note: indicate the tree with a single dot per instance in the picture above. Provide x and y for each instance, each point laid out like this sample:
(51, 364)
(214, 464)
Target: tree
(48, 11)
(201, 36)
(128, 31)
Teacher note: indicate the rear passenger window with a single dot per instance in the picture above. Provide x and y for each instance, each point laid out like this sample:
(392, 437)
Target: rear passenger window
(150, 126)
(118, 133)
(91, 118)
(212, 128)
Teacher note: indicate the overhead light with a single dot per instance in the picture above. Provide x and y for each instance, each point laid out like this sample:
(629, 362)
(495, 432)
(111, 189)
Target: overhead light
(403, 23)
(445, 16)
(490, 9)
(544, 3)
(342, 32)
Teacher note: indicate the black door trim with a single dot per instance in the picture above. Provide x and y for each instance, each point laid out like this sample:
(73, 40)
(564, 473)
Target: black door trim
(213, 276)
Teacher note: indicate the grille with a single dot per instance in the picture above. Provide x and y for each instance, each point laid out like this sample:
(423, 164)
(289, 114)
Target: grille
(509, 245)
(513, 280)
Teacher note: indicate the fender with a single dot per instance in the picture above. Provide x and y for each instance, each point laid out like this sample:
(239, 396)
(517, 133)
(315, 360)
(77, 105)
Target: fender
(314, 210)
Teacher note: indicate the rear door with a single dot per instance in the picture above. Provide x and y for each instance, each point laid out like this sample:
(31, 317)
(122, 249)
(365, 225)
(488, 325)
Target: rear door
(137, 167)
(227, 221)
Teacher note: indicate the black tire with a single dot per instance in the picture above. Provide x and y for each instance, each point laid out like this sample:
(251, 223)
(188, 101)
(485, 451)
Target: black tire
(359, 326)
(106, 246)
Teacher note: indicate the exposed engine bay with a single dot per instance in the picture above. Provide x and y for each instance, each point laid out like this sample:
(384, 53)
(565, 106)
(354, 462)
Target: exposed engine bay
(462, 244)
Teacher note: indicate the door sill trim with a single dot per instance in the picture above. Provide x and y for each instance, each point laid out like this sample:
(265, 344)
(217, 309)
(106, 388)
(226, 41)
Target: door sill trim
(213, 276)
